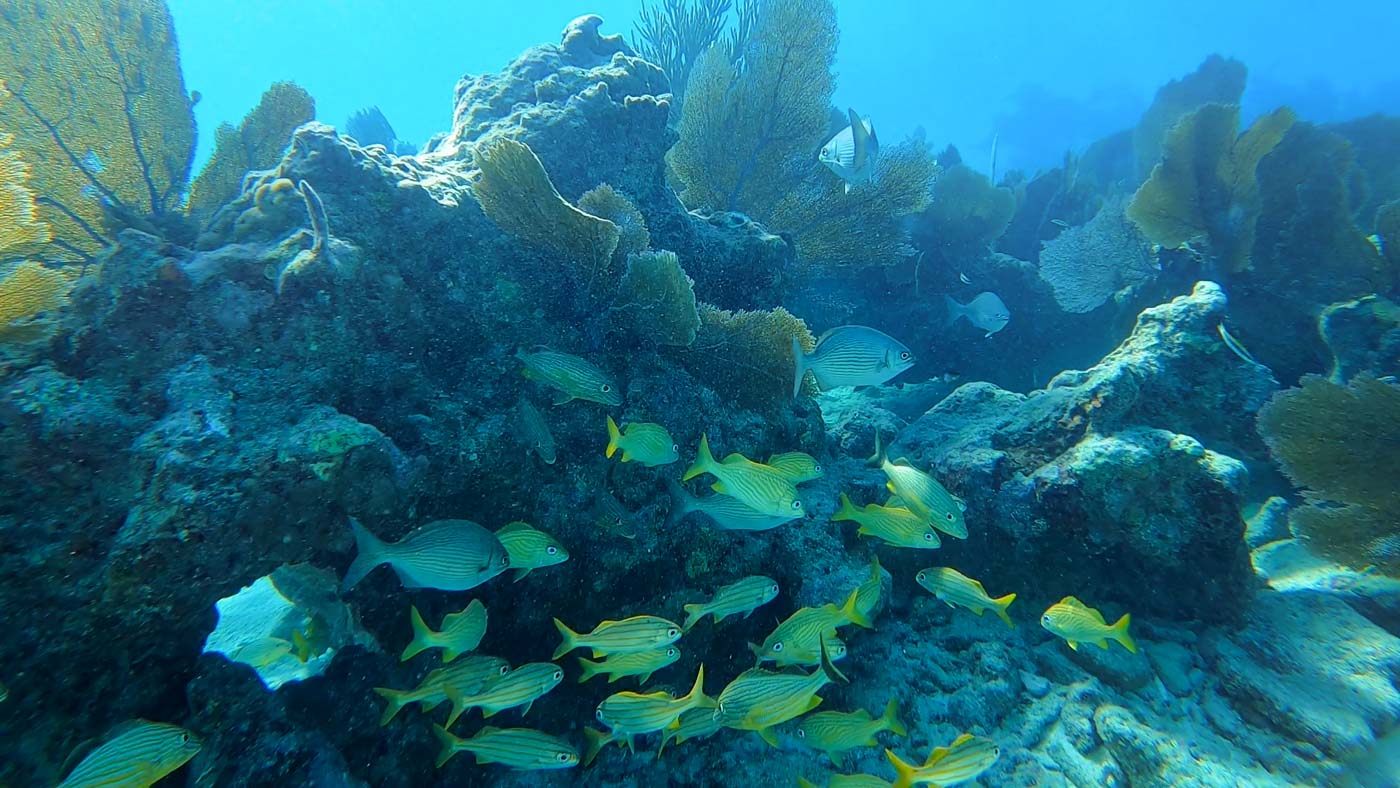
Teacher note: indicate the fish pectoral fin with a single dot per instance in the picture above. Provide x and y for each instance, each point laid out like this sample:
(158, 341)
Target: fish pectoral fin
(599, 654)
(1102, 643)
(526, 708)
(837, 758)
(719, 487)
(768, 735)
(520, 574)
(562, 397)
(1074, 645)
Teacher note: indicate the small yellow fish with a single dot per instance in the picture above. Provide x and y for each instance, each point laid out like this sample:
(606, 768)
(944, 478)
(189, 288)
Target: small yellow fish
(796, 639)
(761, 488)
(649, 444)
(848, 781)
(518, 748)
(966, 758)
(534, 431)
(924, 496)
(868, 593)
(572, 377)
(466, 676)
(742, 596)
(1078, 623)
(697, 723)
(312, 640)
(957, 589)
(802, 652)
(263, 653)
(834, 732)
(641, 664)
(461, 632)
(631, 713)
(759, 699)
(628, 636)
(136, 754)
(797, 466)
(530, 548)
(520, 687)
(895, 525)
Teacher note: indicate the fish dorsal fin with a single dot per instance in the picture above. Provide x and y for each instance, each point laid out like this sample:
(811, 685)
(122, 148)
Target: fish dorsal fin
(486, 730)
(903, 461)
(513, 527)
(733, 457)
(860, 137)
(1071, 601)
(85, 748)
(828, 333)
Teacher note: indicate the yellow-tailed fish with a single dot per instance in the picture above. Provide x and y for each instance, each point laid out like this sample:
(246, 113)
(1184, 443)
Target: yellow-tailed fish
(649, 444)
(610, 515)
(799, 636)
(136, 754)
(534, 431)
(834, 732)
(797, 466)
(697, 723)
(263, 653)
(311, 640)
(759, 699)
(759, 487)
(1078, 623)
(628, 636)
(868, 592)
(802, 652)
(518, 748)
(466, 676)
(570, 376)
(530, 548)
(741, 596)
(597, 740)
(631, 713)
(461, 632)
(848, 781)
(520, 687)
(727, 514)
(894, 525)
(957, 589)
(641, 664)
(850, 356)
(449, 555)
(924, 496)
(966, 758)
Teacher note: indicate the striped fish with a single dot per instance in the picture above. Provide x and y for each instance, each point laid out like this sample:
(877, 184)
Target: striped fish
(924, 496)
(649, 444)
(694, 724)
(757, 486)
(572, 377)
(759, 699)
(610, 515)
(850, 356)
(803, 652)
(794, 640)
(957, 589)
(1078, 623)
(848, 781)
(966, 758)
(534, 430)
(895, 525)
(136, 754)
(463, 677)
(868, 592)
(852, 152)
(628, 636)
(461, 632)
(530, 548)
(520, 687)
(449, 555)
(631, 713)
(834, 732)
(597, 740)
(641, 664)
(741, 596)
(519, 748)
(728, 514)
(797, 466)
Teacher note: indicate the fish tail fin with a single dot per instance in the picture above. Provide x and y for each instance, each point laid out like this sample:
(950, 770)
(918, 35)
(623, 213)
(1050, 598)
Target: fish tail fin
(450, 744)
(569, 639)
(597, 740)
(847, 510)
(589, 668)
(805, 783)
(395, 700)
(890, 719)
(829, 668)
(703, 460)
(423, 636)
(697, 696)
(1002, 603)
(693, 613)
(874, 567)
(903, 770)
(955, 310)
(614, 435)
(853, 614)
(799, 361)
(1120, 633)
(682, 503)
(878, 458)
(369, 553)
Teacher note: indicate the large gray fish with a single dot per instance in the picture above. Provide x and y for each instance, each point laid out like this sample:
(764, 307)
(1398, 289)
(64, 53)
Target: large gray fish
(728, 514)
(851, 154)
(986, 311)
(449, 555)
(851, 356)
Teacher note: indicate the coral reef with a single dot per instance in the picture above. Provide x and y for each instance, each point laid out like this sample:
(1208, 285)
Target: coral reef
(1087, 265)
(674, 33)
(1218, 80)
(747, 355)
(658, 300)
(965, 215)
(19, 215)
(605, 202)
(27, 292)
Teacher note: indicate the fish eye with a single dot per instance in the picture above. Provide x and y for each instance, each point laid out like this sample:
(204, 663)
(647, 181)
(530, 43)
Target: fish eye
(773, 588)
(777, 647)
(950, 517)
(551, 549)
(598, 714)
(563, 757)
(505, 669)
(670, 652)
(675, 448)
(796, 506)
(928, 537)
(673, 632)
(801, 734)
(1045, 619)
(558, 674)
(817, 468)
(184, 738)
(605, 388)
(904, 355)
(921, 576)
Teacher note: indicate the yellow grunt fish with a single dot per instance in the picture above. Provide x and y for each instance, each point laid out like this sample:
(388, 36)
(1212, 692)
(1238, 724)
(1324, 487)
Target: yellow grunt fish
(697, 723)
(530, 548)
(1078, 623)
(728, 514)
(894, 525)
(641, 664)
(572, 377)
(868, 593)
(966, 758)
(957, 589)
(534, 431)
(628, 636)
(759, 487)
(758, 699)
(741, 596)
(649, 444)
(834, 732)
(461, 632)
(792, 641)
(520, 687)
(631, 713)
(518, 748)
(136, 754)
(466, 676)
(924, 496)
(797, 466)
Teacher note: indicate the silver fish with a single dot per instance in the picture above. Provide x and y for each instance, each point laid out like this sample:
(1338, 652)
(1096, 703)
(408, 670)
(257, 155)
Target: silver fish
(728, 514)
(851, 154)
(851, 356)
(986, 311)
(534, 431)
(449, 555)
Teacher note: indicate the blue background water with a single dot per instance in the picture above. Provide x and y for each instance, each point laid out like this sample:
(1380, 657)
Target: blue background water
(1044, 76)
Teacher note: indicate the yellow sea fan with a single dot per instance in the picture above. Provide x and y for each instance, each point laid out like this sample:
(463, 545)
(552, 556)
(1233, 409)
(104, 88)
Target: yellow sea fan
(20, 226)
(26, 293)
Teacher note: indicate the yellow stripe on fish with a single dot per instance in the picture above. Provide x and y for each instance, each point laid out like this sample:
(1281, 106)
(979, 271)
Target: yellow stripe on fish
(797, 466)
(518, 748)
(641, 664)
(868, 592)
(794, 640)
(742, 596)
(631, 713)
(897, 526)
(1078, 623)
(461, 632)
(448, 555)
(834, 732)
(463, 677)
(759, 487)
(136, 754)
(628, 636)
(530, 548)
(649, 444)
(572, 377)
(694, 724)
(728, 514)
(848, 781)
(520, 687)
(534, 431)
(966, 758)
(924, 496)
(957, 589)
(759, 699)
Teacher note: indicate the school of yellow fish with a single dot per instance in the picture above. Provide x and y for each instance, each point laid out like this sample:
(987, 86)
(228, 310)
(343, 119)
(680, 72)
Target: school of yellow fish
(804, 648)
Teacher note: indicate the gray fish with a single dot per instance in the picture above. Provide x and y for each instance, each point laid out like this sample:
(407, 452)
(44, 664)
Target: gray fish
(986, 311)
(534, 431)
(851, 154)
(851, 356)
(449, 555)
(727, 513)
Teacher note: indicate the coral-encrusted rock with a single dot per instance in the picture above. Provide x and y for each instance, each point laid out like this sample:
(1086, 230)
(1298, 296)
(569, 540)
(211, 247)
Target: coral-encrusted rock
(1092, 478)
